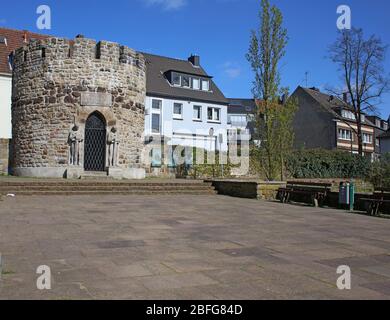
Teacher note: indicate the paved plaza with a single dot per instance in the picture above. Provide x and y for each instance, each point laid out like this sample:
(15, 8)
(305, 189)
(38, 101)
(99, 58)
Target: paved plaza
(188, 247)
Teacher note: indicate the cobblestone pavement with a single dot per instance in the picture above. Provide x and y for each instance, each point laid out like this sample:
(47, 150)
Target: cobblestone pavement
(188, 247)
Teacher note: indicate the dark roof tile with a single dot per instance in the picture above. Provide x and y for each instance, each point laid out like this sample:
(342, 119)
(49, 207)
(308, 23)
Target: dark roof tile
(15, 40)
(158, 85)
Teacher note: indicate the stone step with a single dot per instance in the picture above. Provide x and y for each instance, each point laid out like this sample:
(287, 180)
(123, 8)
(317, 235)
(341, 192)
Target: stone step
(79, 187)
(100, 183)
(103, 188)
(132, 192)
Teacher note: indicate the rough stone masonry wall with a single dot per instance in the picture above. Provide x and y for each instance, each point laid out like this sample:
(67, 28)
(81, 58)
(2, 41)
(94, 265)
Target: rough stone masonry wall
(50, 77)
(4, 147)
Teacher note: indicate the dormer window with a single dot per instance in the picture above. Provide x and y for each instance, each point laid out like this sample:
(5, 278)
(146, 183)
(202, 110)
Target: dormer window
(11, 61)
(349, 115)
(3, 40)
(188, 81)
(195, 83)
(185, 81)
(205, 85)
(176, 79)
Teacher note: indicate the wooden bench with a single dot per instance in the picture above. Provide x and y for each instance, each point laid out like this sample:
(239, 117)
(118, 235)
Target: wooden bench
(380, 197)
(316, 191)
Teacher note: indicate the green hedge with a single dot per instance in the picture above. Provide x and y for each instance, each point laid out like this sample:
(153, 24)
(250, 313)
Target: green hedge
(380, 172)
(318, 163)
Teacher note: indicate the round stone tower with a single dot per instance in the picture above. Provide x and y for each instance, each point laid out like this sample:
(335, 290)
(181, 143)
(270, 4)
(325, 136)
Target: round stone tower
(78, 108)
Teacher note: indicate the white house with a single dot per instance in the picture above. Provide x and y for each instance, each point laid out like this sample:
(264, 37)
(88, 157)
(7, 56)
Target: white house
(5, 106)
(184, 107)
(240, 121)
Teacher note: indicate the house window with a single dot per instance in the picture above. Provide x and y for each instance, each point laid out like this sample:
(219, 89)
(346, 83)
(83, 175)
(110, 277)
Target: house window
(195, 83)
(367, 138)
(348, 115)
(176, 79)
(156, 104)
(345, 134)
(205, 85)
(197, 113)
(156, 115)
(385, 126)
(156, 123)
(156, 157)
(214, 114)
(185, 81)
(377, 142)
(177, 111)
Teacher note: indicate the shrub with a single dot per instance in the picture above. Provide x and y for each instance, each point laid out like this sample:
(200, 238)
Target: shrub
(319, 163)
(204, 169)
(380, 172)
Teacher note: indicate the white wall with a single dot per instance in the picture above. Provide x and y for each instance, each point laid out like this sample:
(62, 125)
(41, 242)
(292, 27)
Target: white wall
(182, 131)
(5, 107)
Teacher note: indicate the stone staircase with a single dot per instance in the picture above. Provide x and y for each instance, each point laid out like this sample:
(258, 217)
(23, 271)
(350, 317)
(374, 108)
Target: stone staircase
(101, 187)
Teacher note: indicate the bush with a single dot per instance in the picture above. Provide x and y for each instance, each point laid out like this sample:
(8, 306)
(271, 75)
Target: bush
(319, 163)
(380, 172)
(204, 170)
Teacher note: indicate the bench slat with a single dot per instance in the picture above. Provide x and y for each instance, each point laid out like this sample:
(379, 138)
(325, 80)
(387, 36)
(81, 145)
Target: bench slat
(305, 183)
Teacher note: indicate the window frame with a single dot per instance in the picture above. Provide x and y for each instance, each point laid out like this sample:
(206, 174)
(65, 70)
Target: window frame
(189, 81)
(172, 77)
(208, 84)
(213, 113)
(370, 138)
(344, 137)
(199, 83)
(156, 111)
(177, 116)
(199, 119)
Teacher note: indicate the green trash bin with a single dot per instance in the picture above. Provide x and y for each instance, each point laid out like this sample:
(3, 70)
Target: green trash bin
(347, 195)
(351, 196)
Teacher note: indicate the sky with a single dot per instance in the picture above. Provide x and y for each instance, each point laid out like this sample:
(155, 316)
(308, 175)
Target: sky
(217, 30)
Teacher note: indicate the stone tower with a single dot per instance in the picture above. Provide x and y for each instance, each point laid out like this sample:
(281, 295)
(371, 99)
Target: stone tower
(77, 106)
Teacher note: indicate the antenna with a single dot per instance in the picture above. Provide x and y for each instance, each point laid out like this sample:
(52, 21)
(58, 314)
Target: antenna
(306, 78)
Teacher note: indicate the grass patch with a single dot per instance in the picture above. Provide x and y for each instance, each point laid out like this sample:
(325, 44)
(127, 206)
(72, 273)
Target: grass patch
(7, 272)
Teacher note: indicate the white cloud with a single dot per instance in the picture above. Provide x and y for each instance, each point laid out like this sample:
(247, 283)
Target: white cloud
(232, 70)
(167, 4)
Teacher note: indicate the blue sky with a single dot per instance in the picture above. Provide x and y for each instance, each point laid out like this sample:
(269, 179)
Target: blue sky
(217, 30)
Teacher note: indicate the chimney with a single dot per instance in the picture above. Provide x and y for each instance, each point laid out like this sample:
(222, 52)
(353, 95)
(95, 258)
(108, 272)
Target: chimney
(345, 97)
(195, 60)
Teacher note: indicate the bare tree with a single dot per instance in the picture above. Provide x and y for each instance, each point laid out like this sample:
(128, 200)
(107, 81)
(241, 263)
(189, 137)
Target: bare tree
(360, 62)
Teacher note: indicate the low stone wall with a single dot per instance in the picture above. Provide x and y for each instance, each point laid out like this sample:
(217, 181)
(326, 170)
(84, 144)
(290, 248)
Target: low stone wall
(247, 189)
(4, 156)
